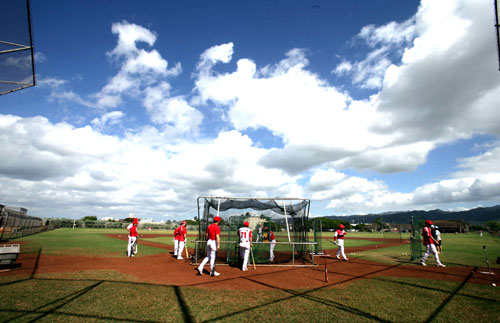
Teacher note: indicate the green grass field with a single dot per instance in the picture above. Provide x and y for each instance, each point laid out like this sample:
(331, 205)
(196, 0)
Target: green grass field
(105, 295)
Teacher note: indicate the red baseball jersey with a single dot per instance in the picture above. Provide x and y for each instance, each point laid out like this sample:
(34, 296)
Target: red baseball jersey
(426, 234)
(133, 231)
(271, 236)
(339, 234)
(176, 234)
(213, 230)
(181, 233)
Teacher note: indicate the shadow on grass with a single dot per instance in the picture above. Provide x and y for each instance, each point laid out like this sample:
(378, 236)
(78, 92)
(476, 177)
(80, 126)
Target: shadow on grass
(187, 316)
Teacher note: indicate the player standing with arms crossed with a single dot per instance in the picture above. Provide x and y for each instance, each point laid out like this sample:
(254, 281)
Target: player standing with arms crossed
(181, 237)
(429, 244)
(339, 239)
(245, 244)
(132, 237)
(213, 243)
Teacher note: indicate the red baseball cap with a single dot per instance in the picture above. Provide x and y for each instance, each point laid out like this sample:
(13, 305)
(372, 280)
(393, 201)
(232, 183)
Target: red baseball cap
(246, 224)
(216, 218)
(184, 222)
(428, 222)
(341, 226)
(135, 221)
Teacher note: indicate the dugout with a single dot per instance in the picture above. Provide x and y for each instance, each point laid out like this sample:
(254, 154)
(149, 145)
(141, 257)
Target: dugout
(16, 223)
(285, 217)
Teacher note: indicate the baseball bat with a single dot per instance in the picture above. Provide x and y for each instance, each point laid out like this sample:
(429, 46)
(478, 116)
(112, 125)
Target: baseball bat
(185, 248)
(253, 260)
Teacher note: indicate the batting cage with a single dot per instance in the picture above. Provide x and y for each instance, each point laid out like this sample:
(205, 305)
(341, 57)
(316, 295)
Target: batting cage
(284, 219)
(17, 58)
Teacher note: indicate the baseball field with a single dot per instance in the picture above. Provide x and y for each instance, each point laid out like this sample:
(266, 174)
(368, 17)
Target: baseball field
(83, 275)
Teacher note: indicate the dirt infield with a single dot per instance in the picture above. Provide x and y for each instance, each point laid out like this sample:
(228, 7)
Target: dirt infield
(166, 270)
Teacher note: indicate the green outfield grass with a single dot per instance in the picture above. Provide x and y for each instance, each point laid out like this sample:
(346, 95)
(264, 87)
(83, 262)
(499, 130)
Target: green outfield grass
(105, 295)
(81, 242)
(81, 298)
(458, 250)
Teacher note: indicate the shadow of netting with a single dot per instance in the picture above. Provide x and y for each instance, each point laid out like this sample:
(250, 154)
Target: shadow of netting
(449, 298)
(68, 298)
(306, 295)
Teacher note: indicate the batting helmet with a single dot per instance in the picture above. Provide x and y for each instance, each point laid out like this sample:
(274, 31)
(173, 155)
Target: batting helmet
(246, 224)
(342, 226)
(216, 218)
(184, 222)
(135, 221)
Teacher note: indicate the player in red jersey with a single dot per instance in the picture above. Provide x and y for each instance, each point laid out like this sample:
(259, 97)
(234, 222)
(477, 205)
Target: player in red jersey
(272, 244)
(181, 237)
(429, 243)
(245, 244)
(339, 239)
(132, 237)
(213, 243)
(176, 241)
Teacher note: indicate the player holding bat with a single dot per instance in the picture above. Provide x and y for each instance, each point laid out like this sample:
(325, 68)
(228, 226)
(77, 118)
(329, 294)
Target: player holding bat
(339, 240)
(213, 243)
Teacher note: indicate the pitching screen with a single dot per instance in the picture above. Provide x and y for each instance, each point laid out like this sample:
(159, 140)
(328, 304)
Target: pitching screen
(17, 68)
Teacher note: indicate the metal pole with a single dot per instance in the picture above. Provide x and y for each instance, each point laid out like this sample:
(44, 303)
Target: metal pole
(293, 254)
(498, 32)
(286, 220)
(31, 42)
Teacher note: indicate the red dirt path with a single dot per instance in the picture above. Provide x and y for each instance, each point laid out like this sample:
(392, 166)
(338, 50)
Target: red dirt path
(164, 269)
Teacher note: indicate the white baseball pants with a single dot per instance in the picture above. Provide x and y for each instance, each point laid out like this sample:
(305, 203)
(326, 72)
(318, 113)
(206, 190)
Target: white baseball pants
(244, 252)
(180, 249)
(130, 247)
(211, 249)
(271, 250)
(176, 247)
(340, 251)
(430, 248)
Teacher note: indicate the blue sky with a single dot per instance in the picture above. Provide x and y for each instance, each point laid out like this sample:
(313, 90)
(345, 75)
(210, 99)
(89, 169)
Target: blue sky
(362, 107)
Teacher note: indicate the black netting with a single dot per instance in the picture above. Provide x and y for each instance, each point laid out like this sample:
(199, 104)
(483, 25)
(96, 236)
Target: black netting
(264, 216)
(17, 69)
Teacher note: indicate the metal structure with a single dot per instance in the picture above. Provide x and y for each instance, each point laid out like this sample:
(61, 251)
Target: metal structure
(16, 223)
(415, 239)
(497, 26)
(17, 57)
(285, 217)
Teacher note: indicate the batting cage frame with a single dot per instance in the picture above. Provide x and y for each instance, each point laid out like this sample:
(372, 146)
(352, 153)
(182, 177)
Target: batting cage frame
(415, 239)
(284, 218)
(16, 47)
